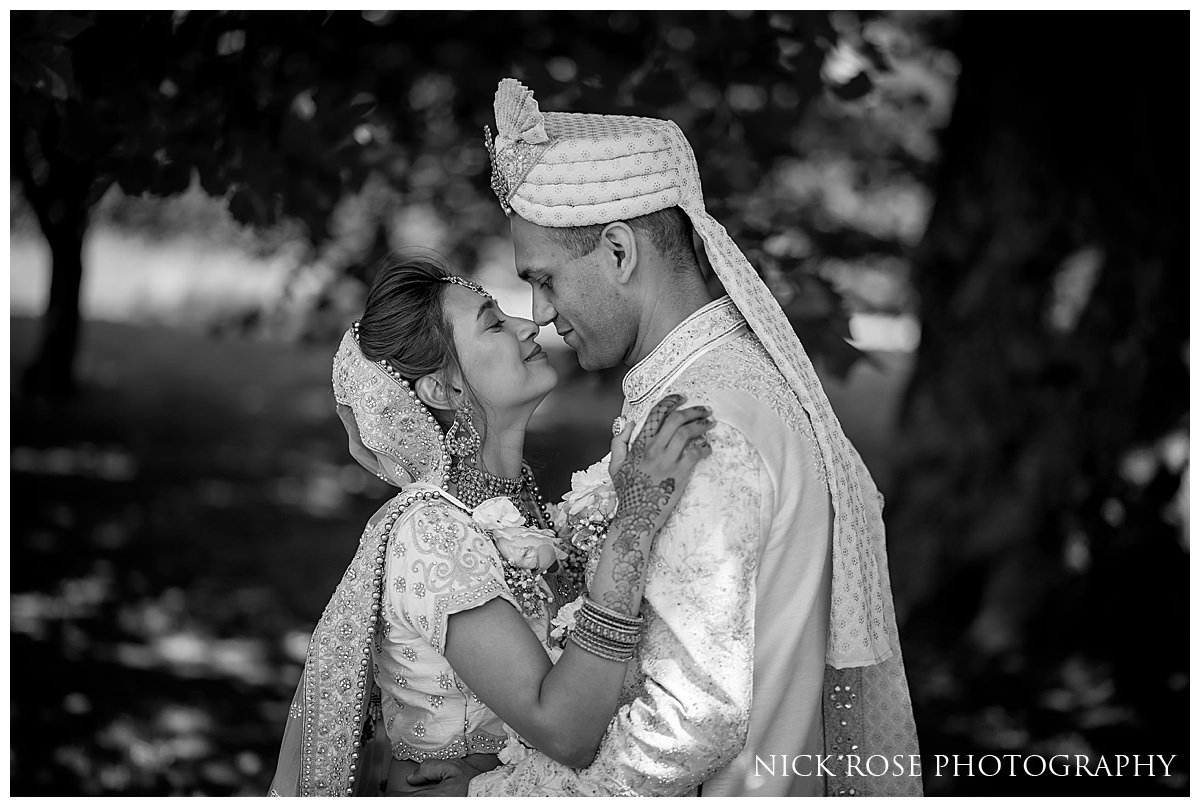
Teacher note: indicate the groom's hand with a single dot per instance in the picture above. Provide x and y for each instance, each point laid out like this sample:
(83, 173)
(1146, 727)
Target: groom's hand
(442, 777)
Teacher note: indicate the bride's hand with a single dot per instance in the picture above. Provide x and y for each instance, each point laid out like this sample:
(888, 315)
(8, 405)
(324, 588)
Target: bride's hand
(650, 475)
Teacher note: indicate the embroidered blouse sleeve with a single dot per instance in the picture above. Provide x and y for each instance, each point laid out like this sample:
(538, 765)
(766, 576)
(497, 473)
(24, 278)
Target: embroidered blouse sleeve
(440, 563)
(691, 714)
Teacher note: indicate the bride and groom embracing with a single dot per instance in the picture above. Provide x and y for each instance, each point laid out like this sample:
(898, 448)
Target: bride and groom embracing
(711, 598)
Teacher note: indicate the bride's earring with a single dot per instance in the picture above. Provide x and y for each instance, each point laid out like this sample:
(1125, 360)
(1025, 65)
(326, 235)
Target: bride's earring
(462, 440)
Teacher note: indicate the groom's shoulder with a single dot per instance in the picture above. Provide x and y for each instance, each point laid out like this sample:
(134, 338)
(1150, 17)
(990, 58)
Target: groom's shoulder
(736, 360)
(746, 391)
(740, 373)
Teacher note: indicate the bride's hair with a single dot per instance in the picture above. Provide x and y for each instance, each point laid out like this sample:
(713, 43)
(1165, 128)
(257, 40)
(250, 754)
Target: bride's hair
(404, 322)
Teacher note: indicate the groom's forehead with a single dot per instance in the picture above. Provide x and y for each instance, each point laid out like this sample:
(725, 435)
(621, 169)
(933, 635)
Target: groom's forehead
(536, 250)
(529, 271)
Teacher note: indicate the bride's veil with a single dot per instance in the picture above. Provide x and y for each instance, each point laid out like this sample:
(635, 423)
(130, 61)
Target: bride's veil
(334, 742)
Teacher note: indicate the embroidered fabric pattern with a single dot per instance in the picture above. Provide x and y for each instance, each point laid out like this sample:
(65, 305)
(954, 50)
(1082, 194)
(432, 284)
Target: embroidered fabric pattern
(477, 742)
(687, 342)
(709, 352)
(391, 420)
(326, 725)
(705, 355)
(449, 565)
(583, 184)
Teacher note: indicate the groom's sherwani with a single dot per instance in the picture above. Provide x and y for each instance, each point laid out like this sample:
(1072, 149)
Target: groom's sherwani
(737, 596)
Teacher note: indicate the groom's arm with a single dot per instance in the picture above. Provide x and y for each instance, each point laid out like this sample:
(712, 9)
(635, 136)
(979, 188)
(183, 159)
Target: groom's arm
(691, 717)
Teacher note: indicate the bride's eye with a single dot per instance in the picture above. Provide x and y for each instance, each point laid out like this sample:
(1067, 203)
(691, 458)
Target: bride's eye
(497, 325)
(545, 283)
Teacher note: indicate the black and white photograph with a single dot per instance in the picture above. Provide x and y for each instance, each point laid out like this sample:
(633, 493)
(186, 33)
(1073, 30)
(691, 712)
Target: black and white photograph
(482, 403)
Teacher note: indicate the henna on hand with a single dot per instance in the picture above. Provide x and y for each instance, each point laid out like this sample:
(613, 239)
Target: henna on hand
(642, 500)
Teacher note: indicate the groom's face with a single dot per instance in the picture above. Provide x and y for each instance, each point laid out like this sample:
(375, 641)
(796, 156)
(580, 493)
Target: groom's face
(575, 294)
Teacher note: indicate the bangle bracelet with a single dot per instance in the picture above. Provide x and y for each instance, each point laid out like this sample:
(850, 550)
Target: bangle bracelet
(591, 616)
(593, 619)
(585, 624)
(607, 616)
(598, 648)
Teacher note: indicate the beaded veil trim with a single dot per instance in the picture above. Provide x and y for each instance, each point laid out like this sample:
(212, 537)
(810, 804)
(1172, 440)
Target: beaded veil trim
(391, 420)
(337, 679)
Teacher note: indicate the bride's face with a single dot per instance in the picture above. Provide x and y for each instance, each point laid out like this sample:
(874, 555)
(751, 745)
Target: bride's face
(506, 369)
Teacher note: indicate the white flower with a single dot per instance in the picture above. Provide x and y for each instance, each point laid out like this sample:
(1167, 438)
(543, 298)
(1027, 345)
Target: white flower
(564, 620)
(592, 495)
(558, 517)
(525, 547)
(563, 532)
(514, 749)
(497, 512)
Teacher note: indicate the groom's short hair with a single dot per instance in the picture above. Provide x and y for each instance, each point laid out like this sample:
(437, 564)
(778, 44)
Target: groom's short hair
(669, 230)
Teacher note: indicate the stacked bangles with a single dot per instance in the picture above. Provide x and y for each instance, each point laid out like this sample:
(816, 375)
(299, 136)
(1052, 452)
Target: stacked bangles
(606, 633)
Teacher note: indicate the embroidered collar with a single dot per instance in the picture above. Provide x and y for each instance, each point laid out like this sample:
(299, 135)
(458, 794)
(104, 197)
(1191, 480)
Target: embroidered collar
(689, 339)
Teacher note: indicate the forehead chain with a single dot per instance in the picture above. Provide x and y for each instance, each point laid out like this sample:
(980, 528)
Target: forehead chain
(467, 283)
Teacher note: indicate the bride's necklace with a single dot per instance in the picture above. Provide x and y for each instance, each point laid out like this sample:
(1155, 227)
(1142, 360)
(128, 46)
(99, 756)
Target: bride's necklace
(476, 486)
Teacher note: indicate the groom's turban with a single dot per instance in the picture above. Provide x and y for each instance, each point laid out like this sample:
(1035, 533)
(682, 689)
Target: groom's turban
(560, 169)
(567, 170)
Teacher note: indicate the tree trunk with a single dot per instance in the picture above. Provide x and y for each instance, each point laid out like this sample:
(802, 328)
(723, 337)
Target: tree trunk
(52, 371)
(58, 189)
(1053, 288)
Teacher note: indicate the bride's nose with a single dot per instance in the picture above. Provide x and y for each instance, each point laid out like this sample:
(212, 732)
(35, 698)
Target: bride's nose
(526, 329)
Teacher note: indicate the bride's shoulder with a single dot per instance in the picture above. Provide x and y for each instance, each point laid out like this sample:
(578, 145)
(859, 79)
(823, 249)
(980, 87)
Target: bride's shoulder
(418, 508)
(437, 525)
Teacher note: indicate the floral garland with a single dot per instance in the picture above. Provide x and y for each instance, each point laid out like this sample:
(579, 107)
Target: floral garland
(587, 509)
(580, 523)
(526, 552)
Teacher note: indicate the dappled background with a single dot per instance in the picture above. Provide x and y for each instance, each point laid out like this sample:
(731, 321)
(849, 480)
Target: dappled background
(976, 223)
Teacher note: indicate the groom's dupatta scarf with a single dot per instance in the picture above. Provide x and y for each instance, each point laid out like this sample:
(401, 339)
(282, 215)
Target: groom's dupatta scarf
(334, 741)
(570, 170)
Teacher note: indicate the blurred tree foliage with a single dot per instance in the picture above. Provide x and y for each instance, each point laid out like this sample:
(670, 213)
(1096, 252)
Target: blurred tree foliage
(151, 100)
(1041, 499)
(286, 115)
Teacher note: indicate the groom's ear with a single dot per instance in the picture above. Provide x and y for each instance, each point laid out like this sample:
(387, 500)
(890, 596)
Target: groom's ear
(436, 392)
(618, 247)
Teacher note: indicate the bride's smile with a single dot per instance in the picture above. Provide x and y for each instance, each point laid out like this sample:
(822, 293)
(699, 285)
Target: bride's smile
(503, 365)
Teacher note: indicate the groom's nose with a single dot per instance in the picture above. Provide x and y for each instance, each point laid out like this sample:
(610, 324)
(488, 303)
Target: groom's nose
(543, 312)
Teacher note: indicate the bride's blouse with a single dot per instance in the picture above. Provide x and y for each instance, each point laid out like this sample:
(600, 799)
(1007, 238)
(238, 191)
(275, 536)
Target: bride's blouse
(438, 564)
